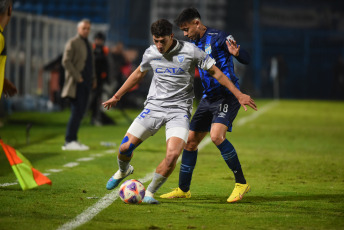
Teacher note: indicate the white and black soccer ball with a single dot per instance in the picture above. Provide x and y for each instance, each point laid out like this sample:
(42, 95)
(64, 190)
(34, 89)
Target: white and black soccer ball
(132, 192)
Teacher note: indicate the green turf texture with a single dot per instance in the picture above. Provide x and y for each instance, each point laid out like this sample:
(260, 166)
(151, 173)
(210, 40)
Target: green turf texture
(291, 155)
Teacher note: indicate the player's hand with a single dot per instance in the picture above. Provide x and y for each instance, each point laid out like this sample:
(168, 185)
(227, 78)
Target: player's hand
(245, 99)
(9, 89)
(233, 48)
(111, 102)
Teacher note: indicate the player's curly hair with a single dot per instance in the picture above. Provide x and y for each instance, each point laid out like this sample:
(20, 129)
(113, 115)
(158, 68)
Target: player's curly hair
(187, 15)
(161, 28)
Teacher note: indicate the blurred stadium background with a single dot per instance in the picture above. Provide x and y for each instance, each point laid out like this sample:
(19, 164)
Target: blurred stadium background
(296, 47)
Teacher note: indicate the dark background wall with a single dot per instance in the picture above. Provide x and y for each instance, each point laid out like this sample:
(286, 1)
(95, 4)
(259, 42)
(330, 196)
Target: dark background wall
(306, 37)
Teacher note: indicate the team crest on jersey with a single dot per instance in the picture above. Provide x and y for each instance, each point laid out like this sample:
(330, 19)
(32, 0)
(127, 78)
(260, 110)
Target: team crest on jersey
(181, 58)
(207, 48)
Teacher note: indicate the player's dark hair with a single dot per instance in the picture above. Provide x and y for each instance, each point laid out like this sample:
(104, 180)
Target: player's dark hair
(187, 15)
(4, 4)
(161, 28)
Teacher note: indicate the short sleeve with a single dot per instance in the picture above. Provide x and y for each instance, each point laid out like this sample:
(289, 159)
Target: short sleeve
(145, 63)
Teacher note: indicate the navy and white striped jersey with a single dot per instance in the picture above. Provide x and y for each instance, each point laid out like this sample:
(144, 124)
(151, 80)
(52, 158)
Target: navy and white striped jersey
(213, 43)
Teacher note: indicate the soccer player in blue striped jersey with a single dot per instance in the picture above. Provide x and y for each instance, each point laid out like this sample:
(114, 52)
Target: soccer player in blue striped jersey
(218, 107)
(169, 102)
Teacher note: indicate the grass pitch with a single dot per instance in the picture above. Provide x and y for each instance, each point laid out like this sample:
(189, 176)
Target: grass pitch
(292, 156)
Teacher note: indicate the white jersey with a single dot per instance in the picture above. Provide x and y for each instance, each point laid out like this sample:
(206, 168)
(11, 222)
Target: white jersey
(172, 82)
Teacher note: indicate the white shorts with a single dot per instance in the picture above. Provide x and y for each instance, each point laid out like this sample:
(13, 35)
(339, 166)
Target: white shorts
(151, 120)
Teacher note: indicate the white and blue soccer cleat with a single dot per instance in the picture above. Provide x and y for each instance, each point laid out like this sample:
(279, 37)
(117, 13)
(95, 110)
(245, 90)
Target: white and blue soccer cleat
(150, 200)
(113, 183)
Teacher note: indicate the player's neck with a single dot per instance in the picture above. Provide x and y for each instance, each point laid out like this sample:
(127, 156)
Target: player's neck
(203, 28)
(174, 43)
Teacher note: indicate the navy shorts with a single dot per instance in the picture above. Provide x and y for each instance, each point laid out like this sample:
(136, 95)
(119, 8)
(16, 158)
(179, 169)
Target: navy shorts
(221, 110)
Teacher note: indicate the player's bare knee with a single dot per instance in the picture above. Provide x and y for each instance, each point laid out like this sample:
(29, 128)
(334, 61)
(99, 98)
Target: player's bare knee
(216, 139)
(191, 145)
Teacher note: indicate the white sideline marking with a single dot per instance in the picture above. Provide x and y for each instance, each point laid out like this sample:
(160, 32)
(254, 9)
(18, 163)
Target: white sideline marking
(241, 122)
(85, 159)
(8, 184)
(54, 170)
(71, 164)
(108, 199)
(103, 203)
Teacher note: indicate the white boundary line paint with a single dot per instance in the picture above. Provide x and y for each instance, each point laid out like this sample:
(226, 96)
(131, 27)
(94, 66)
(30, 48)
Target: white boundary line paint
(103, 203)
(8, 184)
(108, 199)
(67, 165)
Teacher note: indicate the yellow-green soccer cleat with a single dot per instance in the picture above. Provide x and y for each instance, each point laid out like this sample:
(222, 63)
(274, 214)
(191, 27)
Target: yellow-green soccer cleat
(176, 193)
(238, 192)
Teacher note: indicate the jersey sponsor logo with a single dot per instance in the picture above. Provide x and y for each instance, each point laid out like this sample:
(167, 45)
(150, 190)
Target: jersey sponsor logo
(172, 71)
(207, 48)
(157, 59)
(181, 58)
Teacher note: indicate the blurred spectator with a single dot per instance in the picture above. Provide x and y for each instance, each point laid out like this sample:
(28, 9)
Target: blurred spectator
(117, 60)
(57, 77)
(6, 85)
(100, 52)
(78, 61)
(122, 64)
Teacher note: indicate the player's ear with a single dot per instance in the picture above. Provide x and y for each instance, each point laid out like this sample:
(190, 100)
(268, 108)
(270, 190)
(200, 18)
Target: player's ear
(9, 11)
(172, 35)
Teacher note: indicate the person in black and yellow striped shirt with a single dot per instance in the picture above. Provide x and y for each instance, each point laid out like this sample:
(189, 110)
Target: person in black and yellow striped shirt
(6, 86)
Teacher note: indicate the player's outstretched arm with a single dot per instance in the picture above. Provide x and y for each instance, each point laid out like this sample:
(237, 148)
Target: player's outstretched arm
(132, 80)
(243, 99)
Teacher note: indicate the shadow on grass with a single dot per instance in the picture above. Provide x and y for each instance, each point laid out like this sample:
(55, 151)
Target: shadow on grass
(256, 199)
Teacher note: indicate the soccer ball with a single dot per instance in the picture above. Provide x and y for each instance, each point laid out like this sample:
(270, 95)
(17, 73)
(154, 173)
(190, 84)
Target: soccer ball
(132, 192)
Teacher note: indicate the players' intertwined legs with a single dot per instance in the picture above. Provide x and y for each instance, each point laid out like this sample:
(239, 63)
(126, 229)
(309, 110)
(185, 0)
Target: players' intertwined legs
(189, 159)
(174, 147)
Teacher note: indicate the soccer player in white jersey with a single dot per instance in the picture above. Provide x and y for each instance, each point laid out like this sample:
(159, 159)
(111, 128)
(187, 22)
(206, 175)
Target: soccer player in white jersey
(169, 102)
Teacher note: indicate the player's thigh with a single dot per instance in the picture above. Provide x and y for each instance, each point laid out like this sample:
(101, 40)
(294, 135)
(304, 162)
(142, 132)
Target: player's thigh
(174, 147)
(146, 124)
(201, 120)
(177, 124)
(226, 111)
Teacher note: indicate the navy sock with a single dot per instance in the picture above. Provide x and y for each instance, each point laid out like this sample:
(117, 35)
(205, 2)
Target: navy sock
(231, 158)
(187, 166)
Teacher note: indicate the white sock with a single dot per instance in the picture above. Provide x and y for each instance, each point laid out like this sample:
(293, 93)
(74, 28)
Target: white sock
(156, 183)
(123, 168)
(148, 193)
